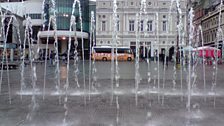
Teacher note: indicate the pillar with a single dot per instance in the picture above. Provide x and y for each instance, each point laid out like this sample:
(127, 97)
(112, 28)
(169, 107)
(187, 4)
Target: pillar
(11, 54)
(152, 51)
(144, 43)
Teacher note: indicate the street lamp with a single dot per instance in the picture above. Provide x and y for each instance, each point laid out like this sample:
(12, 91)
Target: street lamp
(63, 38)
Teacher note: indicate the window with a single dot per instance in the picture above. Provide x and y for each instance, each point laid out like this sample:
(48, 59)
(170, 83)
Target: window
(164, 3)
(34, 16)
(149, 26)
(103, 25)
(164, 26)
(118, 25)
(132, 3)
(149, 3)
(123, 3)
(216, 33)
(209, 37)
(104, 16)
(141, 26)
(164, 16)
(131, 25)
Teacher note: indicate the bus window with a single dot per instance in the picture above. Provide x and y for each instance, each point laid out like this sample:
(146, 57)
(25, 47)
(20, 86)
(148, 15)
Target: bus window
(102, 50)
(120, 51)
(127, 51)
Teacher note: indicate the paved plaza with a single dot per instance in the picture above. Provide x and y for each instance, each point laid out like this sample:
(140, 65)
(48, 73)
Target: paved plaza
(96, 106)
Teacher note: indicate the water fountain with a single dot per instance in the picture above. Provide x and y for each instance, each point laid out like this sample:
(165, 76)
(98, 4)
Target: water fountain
(5, 57)
(91, 41)
(120, 100)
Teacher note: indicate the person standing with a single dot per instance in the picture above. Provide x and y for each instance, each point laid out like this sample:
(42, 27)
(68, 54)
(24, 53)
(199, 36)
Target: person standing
(167, 61)
(163, 58)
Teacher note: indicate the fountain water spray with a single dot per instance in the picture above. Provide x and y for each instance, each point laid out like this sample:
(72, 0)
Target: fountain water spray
(155, 52)
(29, 33)
(180, 27)
(23, 86)
(115, 45)
(46, 55)
(22, 58)
(147, 46)
(114, 52)
(72, 26)
(166, 50)
(66, 86)
(57, 70)
(43, 14)
(76, 59)
(13, 21)
(203, 58)
(91, 70)
(182, 63)
(219, 38)
(5, 57)
(137, 74)
(47, 44)
(90, 52)
(76, 45)
(174, 69)
(191, 16)
(158, 60)
(83, 53)
(94, 69)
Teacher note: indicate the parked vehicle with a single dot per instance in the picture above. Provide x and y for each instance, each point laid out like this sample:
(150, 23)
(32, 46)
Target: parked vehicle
(105, 53)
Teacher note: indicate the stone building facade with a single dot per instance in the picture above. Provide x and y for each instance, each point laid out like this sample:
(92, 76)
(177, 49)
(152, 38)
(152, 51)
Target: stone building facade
(158, 30)
(210, 24)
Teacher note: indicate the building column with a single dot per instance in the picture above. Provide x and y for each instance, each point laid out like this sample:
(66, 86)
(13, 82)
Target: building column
(152, 51)
(144, 46)
(11, 54)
